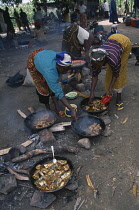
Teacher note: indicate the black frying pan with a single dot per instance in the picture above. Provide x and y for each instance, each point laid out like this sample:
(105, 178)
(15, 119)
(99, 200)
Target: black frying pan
(47, 160)
(37, 117)
(83, 122)
(84, 103)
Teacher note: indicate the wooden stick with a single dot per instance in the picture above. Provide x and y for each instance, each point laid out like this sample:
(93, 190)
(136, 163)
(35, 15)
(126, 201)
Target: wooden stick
(18, 176)
(44, 151)
(21, 171)
(21, 114)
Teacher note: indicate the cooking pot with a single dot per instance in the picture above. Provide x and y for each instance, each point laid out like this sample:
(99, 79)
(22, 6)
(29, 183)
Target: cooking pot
(83, 122)
(34, 120)
(85, 101)
(45, 161)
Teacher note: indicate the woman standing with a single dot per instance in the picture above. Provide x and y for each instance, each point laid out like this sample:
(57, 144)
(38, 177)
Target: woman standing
(113, 12)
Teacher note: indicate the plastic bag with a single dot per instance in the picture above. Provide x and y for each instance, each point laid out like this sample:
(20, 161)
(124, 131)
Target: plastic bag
(28, 80)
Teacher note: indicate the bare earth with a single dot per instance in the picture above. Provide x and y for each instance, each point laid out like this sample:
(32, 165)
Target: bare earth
(112, 162)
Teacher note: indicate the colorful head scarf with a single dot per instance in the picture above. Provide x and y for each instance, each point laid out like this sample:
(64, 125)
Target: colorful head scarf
(63, 59)
(114, 29)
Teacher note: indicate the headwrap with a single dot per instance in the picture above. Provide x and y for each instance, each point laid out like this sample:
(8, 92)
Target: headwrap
(114, 29)
(98, 54)
(63, 59)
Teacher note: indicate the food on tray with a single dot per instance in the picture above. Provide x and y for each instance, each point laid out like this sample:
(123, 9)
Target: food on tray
(96, 106)
(78, 63)
(52, 176)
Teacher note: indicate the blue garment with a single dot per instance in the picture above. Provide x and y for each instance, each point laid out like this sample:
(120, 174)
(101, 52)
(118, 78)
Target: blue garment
(98, 29)
(113, 12)
(136, 2)
(111, 33)
(45, 63)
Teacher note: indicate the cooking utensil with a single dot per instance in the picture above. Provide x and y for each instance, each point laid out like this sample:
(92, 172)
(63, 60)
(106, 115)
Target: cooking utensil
(105, 99)
(85, 101)
(83, 122)
(54, 160)
(45, 161)
(34, 120)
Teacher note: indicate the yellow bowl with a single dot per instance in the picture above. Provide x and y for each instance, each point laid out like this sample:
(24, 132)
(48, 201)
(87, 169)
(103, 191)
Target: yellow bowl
(67, 111)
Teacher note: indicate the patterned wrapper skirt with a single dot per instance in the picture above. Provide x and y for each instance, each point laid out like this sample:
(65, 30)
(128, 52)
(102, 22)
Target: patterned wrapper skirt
(39, 81)
(122, 79)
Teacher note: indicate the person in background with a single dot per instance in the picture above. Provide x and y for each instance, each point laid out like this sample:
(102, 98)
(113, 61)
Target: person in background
(101, 12)
(113, 12)
(45, 67)
(7, 20)
(24, 20)
(126, 11)
(17, 19)
(83, 16)
(95, 28)
(66, 15)
(106, 9)
(34, 15)
(1, 44)
(39, 33)
(75, 16)
(59, 15)
(115, 52)
(120, 11)
(38, 16)
(113, 30)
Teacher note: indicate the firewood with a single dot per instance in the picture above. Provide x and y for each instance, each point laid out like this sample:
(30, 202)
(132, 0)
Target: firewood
(5, 151)
(18, 176)
(44, 151)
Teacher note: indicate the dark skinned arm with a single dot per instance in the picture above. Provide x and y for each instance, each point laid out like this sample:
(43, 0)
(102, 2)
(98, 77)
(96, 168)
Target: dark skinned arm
(110, 92)
(66, 103)
(93, 85)
(87, 44)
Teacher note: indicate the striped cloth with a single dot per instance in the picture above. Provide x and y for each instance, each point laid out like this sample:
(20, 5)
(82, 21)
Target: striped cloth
(115, 51)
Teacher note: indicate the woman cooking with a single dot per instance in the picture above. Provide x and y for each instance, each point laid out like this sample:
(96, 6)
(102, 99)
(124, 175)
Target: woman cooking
(115, 52)
(45, 67)
(76, 40)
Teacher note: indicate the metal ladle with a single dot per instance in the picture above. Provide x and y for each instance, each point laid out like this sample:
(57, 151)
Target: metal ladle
(54, 160)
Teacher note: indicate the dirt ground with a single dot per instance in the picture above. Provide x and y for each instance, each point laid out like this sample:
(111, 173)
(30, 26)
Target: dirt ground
(112, 162)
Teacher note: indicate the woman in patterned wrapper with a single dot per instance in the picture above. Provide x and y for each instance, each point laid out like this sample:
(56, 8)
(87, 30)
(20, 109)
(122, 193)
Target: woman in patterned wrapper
(45, 67)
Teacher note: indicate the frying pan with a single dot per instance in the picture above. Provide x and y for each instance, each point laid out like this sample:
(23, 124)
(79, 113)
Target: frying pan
(47, 160)
(36, 117)
(83, 122)
(84, 103)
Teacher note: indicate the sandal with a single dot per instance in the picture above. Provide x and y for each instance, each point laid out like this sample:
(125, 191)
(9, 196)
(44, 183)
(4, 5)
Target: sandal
(119, 106)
